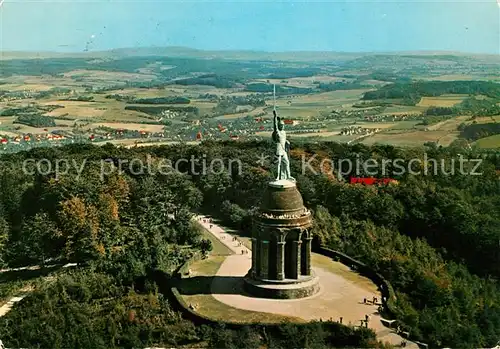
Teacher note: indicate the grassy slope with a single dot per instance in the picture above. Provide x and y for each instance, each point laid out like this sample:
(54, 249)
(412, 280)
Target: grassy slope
(489, 142)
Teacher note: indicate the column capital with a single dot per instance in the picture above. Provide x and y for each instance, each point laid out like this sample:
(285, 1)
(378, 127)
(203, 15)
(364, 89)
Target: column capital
(306, 232)
(281, 234)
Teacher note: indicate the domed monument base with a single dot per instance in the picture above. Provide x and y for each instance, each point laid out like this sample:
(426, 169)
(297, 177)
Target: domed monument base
(281, 246)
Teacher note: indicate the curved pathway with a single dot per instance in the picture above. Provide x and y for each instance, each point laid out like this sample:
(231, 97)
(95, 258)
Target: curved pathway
(4, 309)
(338, 297)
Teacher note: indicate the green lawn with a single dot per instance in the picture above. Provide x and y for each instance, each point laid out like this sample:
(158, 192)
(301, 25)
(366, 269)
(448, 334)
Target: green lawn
(218, 248)
(405, 125)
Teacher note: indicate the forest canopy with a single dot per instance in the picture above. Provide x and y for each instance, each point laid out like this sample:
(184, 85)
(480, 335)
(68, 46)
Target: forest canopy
(434, 237)
(415, 90)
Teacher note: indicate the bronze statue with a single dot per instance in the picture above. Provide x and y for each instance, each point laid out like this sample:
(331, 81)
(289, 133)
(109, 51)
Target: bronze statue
(282, 149)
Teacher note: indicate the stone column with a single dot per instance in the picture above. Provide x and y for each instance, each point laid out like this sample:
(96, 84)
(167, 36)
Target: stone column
(264, 259)
(280, 260)
(306, 262)
(295, 259)
(254, 257)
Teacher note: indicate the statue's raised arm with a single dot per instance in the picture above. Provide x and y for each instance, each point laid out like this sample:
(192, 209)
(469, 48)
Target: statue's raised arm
(275, 122)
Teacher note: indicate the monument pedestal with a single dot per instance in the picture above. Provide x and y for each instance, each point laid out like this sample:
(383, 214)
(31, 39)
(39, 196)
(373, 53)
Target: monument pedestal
(288, 289)
(281, 262)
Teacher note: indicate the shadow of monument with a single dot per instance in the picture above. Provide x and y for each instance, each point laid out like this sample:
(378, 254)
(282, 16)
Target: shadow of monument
(210, 285)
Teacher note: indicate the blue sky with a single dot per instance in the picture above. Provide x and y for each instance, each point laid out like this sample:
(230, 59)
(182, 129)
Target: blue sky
(348, 26)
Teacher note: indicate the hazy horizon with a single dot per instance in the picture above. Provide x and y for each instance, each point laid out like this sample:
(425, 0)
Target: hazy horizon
(253, 51)
(66, 26)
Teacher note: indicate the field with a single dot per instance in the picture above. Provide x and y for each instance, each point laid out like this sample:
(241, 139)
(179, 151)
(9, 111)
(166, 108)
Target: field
(378, 125)
(492, 142)
(254, 112)
(305, 82)
(321, 133)
(454, 77)
(408, 133)
(309, 106)
(132, 143)
(327, 99)
(403, 109)
(99, 75)
(411, 133)
(22, 87)
(487, 119)
(130, 126)
(441, 101)
(90, 99)
(75, 110)
(415, 138)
